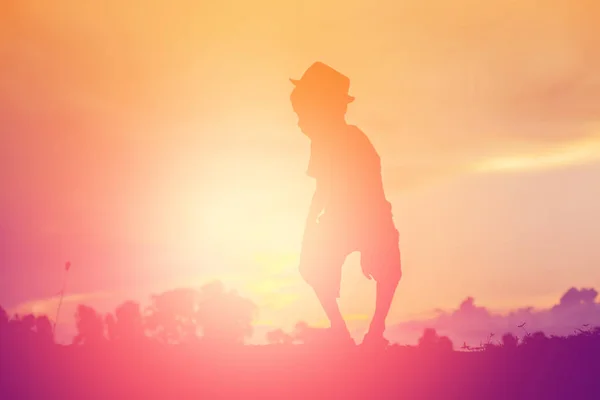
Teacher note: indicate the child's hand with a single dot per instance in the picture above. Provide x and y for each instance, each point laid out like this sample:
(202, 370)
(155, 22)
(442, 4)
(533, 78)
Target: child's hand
(366, 273)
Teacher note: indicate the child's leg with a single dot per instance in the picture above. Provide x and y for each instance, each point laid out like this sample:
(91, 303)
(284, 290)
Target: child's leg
(323, 255)
(382, 260)
(385, 295)
(332, 310)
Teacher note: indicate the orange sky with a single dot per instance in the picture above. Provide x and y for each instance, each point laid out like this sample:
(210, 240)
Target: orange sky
(153, 145)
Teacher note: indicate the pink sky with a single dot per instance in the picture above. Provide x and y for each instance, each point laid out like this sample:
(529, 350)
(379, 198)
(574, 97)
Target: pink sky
(158, 149)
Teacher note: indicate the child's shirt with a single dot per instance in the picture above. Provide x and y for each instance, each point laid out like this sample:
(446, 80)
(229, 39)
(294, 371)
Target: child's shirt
(348, 167)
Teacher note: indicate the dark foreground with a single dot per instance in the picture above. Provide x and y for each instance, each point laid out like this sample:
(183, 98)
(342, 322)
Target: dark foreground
(558, 369)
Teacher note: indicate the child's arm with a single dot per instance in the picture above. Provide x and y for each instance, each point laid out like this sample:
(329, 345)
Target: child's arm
(318, 202)
(317, 168)
(317, 206)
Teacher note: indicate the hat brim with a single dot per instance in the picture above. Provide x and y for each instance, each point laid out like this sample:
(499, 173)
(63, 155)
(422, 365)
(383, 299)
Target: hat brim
(296, 82)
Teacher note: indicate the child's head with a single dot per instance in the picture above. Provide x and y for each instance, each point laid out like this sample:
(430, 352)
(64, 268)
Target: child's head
(320, 98)
(316, 113)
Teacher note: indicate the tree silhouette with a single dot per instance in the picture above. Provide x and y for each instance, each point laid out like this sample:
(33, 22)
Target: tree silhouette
(3, 319)
(278, 336)
(509, 341)
(27, 328)
(23, 328)
(224, 316)
(171, 317)
(445, 344)
(127, 325)
(27, 323)
(306, 334)
(428, 339)
(43, 329)
(431, 341)
(90, 327)
(536, 339)
(302, 332)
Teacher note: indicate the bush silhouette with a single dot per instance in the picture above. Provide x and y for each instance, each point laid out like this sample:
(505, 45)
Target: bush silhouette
(278, 336)
(509, 341)
(431, 341)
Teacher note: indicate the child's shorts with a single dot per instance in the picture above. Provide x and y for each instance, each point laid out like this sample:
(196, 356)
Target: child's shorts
(329, 242)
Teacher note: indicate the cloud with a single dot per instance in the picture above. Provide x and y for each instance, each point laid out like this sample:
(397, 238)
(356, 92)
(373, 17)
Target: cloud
(495, 79)
(499, 86)
(48, 306)
(472, 324)
(578, 152)
(275, 280)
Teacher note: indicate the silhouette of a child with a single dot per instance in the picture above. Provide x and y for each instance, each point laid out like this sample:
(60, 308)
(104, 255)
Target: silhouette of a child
(349, 211)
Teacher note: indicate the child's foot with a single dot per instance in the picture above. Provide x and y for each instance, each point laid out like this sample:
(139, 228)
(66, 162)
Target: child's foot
(373, 340)
(340, 337)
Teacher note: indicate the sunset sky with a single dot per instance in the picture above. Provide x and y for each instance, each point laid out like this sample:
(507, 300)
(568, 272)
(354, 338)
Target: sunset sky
(153, 145)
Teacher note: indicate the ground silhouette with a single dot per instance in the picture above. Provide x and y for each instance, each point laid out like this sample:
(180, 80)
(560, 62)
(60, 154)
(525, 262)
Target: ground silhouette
(190, 344)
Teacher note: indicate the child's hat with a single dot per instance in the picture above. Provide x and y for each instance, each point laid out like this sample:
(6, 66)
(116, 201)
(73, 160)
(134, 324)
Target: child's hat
(320, 78)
